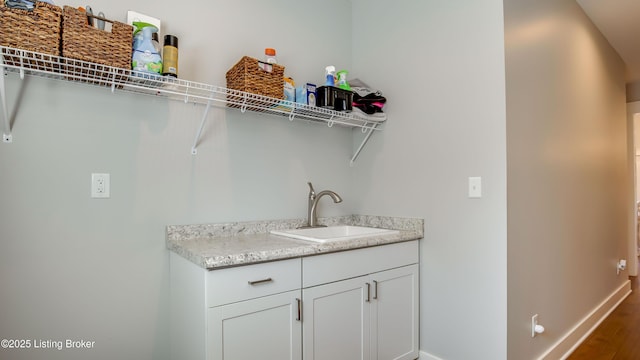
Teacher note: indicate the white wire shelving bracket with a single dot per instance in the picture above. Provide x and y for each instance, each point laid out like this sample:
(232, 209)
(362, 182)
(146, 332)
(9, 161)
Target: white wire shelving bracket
(368, 132)
(6, 132)
(61, 68)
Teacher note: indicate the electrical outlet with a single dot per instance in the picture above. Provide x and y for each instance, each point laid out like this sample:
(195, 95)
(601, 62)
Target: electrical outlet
(133, 16)
(535, 327)
(100, 186)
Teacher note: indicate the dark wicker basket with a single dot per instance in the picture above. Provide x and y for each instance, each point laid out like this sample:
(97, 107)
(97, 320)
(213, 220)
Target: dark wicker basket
(83, 42)
(248, 76)
(37, 30)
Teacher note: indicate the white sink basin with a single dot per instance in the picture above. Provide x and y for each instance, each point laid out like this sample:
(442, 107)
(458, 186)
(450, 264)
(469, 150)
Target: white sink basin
(333, 233)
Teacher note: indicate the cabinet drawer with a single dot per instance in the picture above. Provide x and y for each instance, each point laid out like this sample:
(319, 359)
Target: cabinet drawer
(251, 281)
(328, 268)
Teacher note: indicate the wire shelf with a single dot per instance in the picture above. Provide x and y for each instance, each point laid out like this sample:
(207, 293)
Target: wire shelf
(60, 68)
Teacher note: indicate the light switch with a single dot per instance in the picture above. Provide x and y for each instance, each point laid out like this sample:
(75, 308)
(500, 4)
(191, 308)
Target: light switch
(475, 187)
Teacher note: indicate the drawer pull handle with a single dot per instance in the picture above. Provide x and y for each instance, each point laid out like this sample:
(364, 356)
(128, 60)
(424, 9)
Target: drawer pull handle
(299, 316)
(262, 281)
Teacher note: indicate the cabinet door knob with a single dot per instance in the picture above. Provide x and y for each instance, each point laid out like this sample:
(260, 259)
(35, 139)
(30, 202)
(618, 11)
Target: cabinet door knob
(262, 281)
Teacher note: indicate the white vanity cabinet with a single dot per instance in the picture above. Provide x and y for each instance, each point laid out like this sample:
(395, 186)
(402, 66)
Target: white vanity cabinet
(355, 304)
(372, 316)
(268, 326)
(238, 313)
(336, 321)
(394, 314)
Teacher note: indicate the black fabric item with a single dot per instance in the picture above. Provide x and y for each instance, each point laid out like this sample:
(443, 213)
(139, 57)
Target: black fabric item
(369, 103)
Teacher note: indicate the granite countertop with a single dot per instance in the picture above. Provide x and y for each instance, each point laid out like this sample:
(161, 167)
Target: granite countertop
(214, 246)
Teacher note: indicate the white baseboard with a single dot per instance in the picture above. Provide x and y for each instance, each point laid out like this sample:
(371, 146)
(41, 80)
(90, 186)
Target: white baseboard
(426, 356)
(574, 337)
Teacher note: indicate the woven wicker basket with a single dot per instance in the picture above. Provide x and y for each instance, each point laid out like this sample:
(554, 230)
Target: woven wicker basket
(37, 30)
(248, 76)
(83, 42)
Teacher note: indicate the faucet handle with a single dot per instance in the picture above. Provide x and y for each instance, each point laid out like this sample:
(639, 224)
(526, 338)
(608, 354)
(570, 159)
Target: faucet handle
(312, 192)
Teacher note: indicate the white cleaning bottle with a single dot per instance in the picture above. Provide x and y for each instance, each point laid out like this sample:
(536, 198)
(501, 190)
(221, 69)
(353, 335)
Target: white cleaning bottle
(145, 57)
(330, 76)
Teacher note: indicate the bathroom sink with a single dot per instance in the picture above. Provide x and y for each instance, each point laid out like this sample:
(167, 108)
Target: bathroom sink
(333, 233)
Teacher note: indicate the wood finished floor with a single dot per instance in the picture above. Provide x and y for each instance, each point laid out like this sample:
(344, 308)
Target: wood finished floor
(618, 336)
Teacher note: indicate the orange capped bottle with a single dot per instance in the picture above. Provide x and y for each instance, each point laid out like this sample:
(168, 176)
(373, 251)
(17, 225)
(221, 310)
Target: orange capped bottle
(270, 56)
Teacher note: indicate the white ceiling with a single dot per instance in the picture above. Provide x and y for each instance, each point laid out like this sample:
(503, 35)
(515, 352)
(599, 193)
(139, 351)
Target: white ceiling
(619, 22)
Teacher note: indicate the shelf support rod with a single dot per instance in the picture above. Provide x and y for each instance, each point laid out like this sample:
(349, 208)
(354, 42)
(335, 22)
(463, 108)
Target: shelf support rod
(6, 134)
(186, 95)
(22, 55)
(366, 138)
(244, 104)
(194, 150)
(113, 81)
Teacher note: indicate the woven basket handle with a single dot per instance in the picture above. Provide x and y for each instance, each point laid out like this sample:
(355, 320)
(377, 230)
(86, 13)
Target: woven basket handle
(114, 25)
(97, 17)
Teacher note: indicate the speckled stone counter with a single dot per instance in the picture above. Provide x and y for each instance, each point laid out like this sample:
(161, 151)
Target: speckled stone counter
(214, 246)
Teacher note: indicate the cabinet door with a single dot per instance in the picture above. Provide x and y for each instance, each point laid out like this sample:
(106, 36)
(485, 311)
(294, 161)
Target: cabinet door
(394, 314)
(261, 328)
(336, 321)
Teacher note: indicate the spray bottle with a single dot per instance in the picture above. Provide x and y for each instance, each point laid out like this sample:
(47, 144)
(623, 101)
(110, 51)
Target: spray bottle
(330, 75)
(146, 58)
(342, 80)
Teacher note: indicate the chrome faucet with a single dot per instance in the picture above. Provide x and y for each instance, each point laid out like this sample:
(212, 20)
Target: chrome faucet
(312, 217)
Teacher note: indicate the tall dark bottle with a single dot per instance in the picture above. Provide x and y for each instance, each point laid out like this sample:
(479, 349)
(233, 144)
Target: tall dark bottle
(170, 56)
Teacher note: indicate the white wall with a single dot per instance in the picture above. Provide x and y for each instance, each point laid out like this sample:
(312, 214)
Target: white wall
(635, 118)
(633, 122)
(441, 65)
(568, 179)
(109, 255)
(72, 267)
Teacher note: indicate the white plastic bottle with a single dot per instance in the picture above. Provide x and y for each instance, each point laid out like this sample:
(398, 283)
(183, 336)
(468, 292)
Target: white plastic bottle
(270, 56)
(330, 75)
